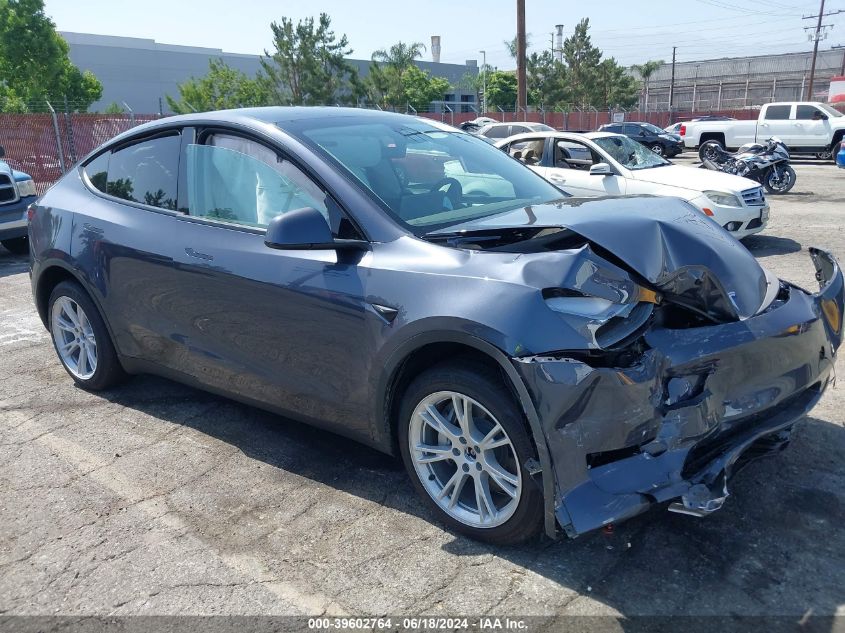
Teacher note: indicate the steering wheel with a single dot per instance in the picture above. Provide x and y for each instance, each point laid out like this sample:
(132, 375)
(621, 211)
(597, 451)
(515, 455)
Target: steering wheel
(454, 190)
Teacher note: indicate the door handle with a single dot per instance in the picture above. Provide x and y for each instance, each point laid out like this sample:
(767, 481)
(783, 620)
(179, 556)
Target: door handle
(557, 178)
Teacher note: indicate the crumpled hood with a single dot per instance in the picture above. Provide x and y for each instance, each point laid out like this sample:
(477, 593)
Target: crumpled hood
(694, 179)
(668, 242)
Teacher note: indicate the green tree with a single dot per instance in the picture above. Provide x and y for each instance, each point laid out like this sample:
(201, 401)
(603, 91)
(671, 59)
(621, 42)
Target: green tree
(615, 86)
(113, 108)
(34, 62)
(582, 61)
(511, 45)
(308, 66)
(546, 78)
(420, 88)
(221, 88)
(385, 82)
(646, 70)
(501, 90)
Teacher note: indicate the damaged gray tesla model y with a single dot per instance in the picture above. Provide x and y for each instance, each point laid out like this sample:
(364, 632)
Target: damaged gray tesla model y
(538, 361)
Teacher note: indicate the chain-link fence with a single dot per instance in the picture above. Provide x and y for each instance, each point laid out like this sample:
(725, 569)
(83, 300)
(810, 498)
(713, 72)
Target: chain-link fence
(46, 145)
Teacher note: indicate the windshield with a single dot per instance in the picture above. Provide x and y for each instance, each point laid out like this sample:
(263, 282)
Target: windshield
(653, 128)
(629, 153)
(427, 177)
(830, 111)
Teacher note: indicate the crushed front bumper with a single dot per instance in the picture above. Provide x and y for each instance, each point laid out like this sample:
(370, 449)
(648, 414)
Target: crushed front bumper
(695, 407)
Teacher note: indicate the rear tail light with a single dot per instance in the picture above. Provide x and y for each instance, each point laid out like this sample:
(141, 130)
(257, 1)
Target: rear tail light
(30, 212)
(683, 130)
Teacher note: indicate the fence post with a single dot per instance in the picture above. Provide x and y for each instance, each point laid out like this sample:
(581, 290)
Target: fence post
(499, 108)
(408, 106)
(131, 114)
(58, 136)
(451, 112)
(71, 146)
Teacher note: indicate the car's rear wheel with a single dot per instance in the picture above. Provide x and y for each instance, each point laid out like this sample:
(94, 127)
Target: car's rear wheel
(81, 339)
(657, 148)
(17, 245)
(465, 446)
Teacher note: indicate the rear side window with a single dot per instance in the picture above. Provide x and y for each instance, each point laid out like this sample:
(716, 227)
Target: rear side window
(145, 172)
(98, 171)
(777, 113)
(497, 131)
(807, 112)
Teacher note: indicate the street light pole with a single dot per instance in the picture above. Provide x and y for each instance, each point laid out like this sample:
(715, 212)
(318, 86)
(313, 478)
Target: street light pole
(483, 82)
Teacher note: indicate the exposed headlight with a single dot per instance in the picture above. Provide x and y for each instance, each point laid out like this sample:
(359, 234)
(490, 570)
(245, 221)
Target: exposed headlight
(723, 199)
(580, 306)
(26, 188)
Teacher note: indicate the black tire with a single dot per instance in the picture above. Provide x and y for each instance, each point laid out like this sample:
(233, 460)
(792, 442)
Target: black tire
(485, 387)
(17, 245)
(706, 149)
(657, 148)
(789, 176)
(108, 372)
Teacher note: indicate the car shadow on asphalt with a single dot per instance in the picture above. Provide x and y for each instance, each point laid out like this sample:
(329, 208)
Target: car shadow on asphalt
(12, 264)
(767, 245)
(776, 547)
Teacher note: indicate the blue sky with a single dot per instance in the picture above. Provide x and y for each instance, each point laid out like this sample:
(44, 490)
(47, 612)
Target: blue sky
(632, 31)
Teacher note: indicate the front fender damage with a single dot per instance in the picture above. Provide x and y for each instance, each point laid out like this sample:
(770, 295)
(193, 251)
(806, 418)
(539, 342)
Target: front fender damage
(675, 422)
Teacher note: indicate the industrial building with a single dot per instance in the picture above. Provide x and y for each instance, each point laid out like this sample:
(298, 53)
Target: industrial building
(140, 72)
(741, 82)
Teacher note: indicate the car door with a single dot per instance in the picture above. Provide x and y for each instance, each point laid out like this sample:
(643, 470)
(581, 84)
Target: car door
(125, 239)
(569, 168)
(777, 122)
(812, 127)
(289, 328)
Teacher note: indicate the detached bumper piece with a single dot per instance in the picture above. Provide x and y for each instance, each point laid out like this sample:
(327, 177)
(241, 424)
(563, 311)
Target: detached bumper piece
(699, 403)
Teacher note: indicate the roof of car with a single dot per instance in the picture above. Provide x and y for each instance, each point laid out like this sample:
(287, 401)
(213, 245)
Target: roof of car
(587, 135)
(265, 117)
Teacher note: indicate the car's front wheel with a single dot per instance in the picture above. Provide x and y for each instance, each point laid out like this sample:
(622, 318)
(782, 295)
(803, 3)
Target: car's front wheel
(465, 445)
(81, 339)
(657, 148)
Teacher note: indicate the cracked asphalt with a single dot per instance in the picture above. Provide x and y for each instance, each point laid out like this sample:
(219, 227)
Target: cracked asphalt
(158, 499)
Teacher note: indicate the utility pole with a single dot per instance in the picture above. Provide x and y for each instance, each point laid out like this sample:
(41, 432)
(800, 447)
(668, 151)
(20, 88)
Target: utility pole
(521, 88)
(483, 82)
(816, 36)
(672, 85)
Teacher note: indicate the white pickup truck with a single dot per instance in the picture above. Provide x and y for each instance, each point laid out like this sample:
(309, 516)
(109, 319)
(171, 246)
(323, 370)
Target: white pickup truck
(806, 128)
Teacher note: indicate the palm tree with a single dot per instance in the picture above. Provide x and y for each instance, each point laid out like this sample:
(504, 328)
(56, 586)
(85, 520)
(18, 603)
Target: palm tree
(645, 71)
(511, 45)
(400, 56)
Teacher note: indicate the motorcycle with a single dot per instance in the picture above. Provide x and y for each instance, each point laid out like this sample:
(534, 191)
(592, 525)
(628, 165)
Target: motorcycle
(767, 163)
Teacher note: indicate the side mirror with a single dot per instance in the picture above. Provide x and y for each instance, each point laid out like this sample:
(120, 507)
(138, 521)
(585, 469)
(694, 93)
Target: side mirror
(600, 169)
(2, 152)
(305, 229)
(822, 117)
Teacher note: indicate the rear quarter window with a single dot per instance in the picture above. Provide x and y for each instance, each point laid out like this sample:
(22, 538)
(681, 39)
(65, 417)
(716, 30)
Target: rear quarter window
(146, 171)
(777, 113)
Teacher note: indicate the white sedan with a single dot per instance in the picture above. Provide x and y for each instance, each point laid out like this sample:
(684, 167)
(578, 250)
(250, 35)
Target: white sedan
(599, 163)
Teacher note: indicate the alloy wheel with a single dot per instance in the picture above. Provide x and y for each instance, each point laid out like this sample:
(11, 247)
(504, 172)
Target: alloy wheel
(657, 149)
(74, 338)
(465, 459)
